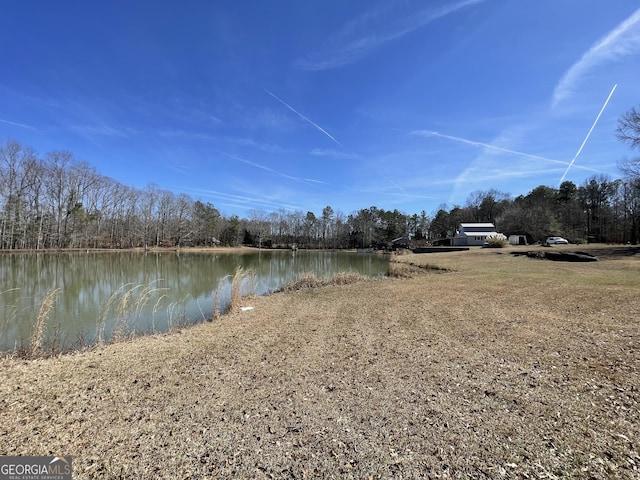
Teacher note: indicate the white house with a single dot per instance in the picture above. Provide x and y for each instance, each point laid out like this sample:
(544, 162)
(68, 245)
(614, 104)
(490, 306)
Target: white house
(473, 234)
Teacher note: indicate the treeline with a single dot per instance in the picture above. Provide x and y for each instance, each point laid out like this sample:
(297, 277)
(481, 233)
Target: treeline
(599, 210)
(56, 201)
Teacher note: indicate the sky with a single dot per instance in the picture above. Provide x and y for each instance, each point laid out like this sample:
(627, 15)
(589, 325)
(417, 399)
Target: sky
(297, 105)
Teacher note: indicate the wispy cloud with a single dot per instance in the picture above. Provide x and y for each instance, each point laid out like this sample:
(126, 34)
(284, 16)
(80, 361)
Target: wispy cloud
(321, 152)
(622, 41)
(303, 117)
(484, 173)
(392, 182)
(272, 171)
(378, 191)
(246, 202)
(239, 141)
(16, 124)
(181, 168)
(249, 142)
(170, 133)
(493, 174)
(373, 29)
(92, 131)
(179, 107)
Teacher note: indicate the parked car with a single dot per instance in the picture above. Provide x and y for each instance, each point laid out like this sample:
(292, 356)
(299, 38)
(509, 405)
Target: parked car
(556, 241)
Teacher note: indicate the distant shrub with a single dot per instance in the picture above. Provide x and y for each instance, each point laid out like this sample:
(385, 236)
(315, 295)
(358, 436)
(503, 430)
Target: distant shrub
(497, 241)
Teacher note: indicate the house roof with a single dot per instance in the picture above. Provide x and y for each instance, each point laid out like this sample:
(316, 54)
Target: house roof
(478, 225)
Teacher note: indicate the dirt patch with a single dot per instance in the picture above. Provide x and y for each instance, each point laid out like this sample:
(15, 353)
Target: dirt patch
(497, 369)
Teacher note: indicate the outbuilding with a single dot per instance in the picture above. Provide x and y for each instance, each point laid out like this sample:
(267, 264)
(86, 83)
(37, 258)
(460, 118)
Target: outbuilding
(402, 242)
(518, 240)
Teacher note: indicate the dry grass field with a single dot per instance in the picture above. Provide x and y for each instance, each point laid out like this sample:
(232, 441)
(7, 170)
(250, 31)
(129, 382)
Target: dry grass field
(489, 366)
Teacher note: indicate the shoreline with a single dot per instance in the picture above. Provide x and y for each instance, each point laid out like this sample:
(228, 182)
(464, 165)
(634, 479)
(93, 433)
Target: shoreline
(139, 249)
(239, 249)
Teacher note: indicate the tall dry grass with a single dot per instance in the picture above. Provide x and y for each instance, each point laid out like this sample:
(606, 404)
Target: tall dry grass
(47, 304)
(242, 285)
(308, 280)
(9, 312)
(406, 269)
(399, 270)
(126, 304)
(215, 315)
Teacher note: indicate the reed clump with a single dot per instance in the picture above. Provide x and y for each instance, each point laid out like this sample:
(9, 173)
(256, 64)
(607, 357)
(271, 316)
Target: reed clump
(127, 304)
(309, 280)
(47, 304)
(401, 269)
(215, 315)
(8, 313)
(242, 285)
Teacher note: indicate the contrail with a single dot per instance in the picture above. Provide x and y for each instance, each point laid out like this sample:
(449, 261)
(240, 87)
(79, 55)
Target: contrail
(271, 170)
(485, 145)
(16, 124)
(303, 117)
(589, 133)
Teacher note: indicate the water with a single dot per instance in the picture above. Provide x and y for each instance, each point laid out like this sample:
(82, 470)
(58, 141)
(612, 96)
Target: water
(99, 295)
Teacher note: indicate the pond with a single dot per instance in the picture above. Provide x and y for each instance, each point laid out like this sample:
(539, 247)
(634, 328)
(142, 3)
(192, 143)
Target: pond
(94, 296)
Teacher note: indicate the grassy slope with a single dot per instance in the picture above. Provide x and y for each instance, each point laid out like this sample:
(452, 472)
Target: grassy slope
(503, 366)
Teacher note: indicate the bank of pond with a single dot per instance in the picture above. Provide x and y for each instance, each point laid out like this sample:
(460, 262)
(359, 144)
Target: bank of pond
(64, 301)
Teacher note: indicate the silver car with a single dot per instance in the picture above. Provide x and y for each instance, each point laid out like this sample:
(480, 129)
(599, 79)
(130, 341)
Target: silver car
(556, 241)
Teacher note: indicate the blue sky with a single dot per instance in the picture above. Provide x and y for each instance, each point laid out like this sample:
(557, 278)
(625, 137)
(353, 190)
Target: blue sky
(406, 104)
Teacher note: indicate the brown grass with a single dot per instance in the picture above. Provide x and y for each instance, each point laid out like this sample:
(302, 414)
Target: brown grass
(126, 305)
(504, 367)
(47, 303)
(309, 280)
(404, 268)
(242, 285)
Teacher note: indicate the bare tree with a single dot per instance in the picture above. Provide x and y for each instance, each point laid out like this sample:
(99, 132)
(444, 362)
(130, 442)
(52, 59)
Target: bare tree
(59, 193)
(166, 209)
(148, 210)
(258, 225)
(628, 131)
(96, 206)
(82, 180)
(182, 231)
(19, 178)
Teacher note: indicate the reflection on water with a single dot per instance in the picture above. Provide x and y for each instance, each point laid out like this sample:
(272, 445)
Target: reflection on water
(102, 294)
